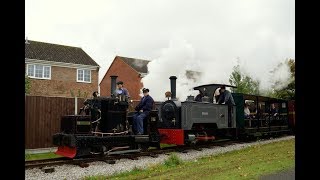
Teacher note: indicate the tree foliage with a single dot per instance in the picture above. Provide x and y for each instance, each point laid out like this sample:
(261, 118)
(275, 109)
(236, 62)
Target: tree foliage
(27, 85)
(287, 92)
(79, 94)
(244, 83)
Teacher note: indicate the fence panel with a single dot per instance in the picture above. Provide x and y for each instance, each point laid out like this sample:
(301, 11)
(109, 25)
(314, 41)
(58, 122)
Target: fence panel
(42, 118)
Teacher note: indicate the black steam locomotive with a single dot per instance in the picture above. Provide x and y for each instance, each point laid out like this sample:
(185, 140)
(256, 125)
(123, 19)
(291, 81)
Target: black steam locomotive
(104, 125)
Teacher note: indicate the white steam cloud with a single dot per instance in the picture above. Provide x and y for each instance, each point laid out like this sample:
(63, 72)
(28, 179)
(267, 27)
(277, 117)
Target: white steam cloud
(180, 57)
(177, 60)
(281, 76)
(174, 61)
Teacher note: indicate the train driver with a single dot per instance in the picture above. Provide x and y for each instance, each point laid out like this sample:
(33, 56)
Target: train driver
(199, 96)
(226, 97)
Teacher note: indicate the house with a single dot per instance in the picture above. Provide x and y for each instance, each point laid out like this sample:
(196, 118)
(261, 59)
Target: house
(59, 70)
(128, 70)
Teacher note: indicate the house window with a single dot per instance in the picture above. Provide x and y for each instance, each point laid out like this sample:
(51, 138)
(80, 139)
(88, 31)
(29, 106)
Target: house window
(84, 75)
(39, 71)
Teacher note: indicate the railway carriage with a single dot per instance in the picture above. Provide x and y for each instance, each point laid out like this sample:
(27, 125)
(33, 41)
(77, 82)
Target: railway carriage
(261, 120)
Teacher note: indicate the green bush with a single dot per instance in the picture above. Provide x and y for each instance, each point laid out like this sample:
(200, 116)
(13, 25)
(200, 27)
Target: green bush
(27, 84)
(173, 160)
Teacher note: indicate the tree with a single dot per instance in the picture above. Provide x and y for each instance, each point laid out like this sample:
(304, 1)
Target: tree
(288, 91)
(27, 85)
(79, 94)
(244, 83)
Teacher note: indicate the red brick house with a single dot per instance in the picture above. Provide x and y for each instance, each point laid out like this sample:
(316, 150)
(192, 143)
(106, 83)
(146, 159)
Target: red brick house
(128, 70)
(59, 70)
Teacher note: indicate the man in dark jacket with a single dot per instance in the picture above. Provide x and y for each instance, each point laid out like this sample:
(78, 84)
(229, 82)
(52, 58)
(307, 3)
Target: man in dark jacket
(226, 98)
(143, 109)
(199, 96)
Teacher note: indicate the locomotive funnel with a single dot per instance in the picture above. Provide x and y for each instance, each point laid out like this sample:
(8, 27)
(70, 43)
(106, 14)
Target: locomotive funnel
(113, 84)
(173, 87)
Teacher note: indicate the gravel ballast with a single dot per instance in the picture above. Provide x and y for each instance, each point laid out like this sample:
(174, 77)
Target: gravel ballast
(122, 165)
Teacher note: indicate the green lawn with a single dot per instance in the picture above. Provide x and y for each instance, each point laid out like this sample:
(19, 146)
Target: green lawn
(49, 155)
(248, 163)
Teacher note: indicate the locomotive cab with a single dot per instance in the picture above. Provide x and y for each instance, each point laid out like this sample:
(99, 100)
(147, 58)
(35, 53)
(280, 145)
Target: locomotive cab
(190, 121)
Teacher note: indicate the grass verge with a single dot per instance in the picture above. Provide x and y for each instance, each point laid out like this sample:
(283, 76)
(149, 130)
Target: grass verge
(248, 163)
(49, 155)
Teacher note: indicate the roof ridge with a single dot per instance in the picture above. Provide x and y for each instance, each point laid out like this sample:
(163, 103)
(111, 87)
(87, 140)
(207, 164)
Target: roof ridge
(54, 44)
(132, 58)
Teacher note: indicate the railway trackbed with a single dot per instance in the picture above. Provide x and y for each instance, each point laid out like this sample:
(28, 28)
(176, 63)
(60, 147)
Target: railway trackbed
(111, 159)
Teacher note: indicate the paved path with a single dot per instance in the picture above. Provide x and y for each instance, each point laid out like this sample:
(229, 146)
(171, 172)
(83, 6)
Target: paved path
(283, 175)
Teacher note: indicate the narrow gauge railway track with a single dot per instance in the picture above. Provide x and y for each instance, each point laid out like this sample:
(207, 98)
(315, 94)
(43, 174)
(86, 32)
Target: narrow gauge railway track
(111, 158)
(46, 162)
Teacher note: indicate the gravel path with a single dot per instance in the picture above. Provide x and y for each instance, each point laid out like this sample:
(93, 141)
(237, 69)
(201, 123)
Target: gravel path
(102, 168)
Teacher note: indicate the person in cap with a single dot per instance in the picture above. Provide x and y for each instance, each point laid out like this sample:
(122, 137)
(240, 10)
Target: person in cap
(199, 96)
(226, 98)
(143, 109)
(121, 90)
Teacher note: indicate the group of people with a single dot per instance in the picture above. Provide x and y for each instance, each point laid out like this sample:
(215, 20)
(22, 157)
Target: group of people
(142, 109)
(224, 97)
(273, 110)
(146, 104)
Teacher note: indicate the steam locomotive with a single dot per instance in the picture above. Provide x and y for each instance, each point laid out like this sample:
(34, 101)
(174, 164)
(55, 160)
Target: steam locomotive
(104, 125)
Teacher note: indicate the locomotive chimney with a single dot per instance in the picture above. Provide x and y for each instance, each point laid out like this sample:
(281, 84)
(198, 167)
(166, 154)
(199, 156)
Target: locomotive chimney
(113, 84)
(173, 87)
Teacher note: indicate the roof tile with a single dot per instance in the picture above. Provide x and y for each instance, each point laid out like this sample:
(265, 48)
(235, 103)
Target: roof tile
(139, 65)
(58, 53)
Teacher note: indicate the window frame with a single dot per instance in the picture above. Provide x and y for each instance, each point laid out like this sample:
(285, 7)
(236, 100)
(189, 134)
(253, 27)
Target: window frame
(34, 71)
(83, 75)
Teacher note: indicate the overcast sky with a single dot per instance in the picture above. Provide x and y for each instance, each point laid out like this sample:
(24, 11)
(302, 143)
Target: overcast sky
(215, 33)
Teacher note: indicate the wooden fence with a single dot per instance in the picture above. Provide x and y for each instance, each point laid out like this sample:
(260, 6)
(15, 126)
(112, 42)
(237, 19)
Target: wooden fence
(43, 115)
(42, 118)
